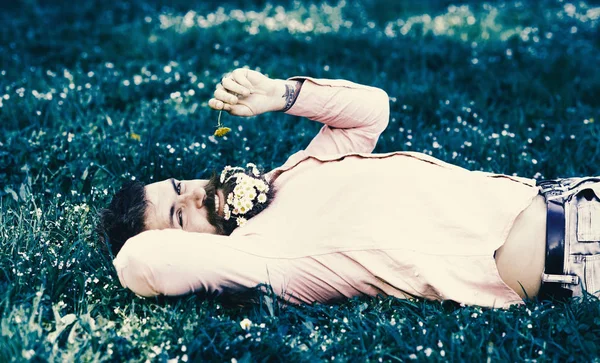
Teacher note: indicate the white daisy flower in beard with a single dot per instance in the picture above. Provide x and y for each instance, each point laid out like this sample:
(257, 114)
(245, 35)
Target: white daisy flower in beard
(262, 197)
(238, 191)
(237, 202)
(241, 221)
(261, 186)
(242, 190)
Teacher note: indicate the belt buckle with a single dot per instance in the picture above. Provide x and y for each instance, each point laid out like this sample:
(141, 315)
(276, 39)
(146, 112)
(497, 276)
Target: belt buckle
(552, 187)
(561, 279)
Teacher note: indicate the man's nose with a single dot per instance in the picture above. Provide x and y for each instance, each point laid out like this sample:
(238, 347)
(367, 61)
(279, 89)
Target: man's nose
(196, 196)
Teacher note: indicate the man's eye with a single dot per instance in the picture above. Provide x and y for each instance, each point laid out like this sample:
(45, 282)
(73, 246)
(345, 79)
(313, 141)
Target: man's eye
(180, 216)
(179, 188)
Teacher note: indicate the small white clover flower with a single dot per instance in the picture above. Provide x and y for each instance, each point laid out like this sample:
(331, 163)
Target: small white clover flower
(262, 198)
(246, 324)
(241, 221)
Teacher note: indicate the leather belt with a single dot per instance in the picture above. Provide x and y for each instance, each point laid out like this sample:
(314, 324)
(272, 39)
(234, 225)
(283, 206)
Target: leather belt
(554, 274)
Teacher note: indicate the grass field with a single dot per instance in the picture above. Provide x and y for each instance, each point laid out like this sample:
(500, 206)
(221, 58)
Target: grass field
(94, 93)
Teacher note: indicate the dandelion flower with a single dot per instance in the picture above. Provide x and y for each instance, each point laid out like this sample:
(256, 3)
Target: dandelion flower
(222, 131)
(135, 136)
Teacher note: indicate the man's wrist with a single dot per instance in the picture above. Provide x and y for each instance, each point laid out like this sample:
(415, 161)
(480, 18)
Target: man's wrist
(290, 95)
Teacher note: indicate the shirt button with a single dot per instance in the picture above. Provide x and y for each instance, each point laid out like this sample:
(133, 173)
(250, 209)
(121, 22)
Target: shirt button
(416, 273)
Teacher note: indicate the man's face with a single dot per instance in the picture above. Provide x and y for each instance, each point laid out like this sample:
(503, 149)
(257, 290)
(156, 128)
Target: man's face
(185, 204)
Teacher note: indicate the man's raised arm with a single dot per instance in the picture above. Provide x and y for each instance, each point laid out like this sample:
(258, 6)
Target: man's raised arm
(353, 115)
(174, 262)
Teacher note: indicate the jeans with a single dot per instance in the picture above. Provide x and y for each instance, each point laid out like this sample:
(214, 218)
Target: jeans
(581, 197)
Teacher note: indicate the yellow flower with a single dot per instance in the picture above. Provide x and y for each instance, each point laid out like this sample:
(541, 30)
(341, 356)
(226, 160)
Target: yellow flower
(222, 131)
(135, 136)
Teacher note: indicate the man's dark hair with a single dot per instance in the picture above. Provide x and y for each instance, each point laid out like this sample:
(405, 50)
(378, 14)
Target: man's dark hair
(124, 217)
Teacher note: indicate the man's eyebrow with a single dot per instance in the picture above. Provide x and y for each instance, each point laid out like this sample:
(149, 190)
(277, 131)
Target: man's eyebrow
(172, 211)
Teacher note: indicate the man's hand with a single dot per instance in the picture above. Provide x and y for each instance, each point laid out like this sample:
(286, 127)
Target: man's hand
(245, 92)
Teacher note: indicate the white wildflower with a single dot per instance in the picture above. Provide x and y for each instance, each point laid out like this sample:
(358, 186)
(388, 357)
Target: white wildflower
(246, 324)
(262, 198)
(28, 354)
(261, 186)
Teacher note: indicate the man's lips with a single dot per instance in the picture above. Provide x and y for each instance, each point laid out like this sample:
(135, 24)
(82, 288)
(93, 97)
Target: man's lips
(219, 200)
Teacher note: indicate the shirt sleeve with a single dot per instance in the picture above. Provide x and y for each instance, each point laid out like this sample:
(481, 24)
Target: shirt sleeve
(175, 262)
(353, 115)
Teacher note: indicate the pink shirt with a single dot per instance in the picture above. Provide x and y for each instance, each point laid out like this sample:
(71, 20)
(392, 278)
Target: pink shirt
(346, 222)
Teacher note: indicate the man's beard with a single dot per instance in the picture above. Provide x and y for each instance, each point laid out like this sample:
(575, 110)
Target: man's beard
(223, 226)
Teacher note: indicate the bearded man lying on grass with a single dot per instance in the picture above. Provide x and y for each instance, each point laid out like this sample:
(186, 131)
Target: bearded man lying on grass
(336, 221)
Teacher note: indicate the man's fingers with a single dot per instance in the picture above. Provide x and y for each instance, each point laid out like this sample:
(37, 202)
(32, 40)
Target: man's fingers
(218, 105)
(222, 95)
(232, 86)
(240, 75)
(215, 104)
